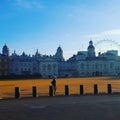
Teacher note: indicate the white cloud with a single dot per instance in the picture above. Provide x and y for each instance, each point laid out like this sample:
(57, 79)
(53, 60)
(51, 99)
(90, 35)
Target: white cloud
(113, 32)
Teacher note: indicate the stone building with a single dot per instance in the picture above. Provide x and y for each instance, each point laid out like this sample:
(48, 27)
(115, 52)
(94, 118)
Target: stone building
(23, 64)
(84, 63)
(88, 64)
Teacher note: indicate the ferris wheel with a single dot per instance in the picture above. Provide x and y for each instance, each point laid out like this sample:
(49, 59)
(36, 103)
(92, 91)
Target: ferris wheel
(105, 45)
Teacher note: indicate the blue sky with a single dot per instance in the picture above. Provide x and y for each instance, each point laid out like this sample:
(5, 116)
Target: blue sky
(27, 25)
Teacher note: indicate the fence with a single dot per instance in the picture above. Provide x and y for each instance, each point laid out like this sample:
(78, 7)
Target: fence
(64, 91)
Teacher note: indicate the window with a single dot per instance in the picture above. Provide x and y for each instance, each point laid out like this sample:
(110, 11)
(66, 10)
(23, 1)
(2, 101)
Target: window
(34, 68)
(21, 69)
(16, 69)
(54, 67)
(82, 73)
(96, 65)
(44, 67)
(92, 66)
(105, 66)
(111, 65)
(82, 66)
(100, 66)
(87, 66)
(49, 67)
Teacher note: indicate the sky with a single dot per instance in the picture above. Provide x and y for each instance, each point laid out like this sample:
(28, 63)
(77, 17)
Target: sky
(28, 25)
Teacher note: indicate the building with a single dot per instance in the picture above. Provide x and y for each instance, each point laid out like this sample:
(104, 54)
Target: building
(105, 64)
(23, 64)
(4, 61)
(84, 63)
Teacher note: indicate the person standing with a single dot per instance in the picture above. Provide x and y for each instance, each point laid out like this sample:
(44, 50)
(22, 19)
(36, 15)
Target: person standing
(54, 85)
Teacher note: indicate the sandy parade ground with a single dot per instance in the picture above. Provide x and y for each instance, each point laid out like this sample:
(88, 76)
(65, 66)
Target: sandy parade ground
(7, 87)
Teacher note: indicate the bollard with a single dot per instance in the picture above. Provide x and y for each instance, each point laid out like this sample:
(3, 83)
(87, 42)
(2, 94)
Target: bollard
(81, 89)
(95, 89)
(17, 92)
(50, 91)
(0, 94)
(34, 91)
(66, 90)
(109, 88)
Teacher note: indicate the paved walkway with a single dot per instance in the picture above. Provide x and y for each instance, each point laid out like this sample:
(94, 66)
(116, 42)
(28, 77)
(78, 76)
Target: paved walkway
(101, 107)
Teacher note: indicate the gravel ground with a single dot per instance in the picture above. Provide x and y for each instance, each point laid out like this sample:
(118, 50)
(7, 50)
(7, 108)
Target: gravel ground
(88, 107)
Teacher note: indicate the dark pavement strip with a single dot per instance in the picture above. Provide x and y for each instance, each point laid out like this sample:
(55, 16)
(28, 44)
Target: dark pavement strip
(106, 107)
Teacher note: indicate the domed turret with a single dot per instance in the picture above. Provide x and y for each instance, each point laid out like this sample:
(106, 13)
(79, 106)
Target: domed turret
(91, 45)
(91, 50)
(5, 50)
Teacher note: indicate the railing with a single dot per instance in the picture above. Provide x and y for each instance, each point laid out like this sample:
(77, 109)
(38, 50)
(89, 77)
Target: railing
(64, 91)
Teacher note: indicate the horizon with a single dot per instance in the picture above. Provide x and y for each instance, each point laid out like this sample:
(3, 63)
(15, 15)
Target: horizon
(44, 25)
(99, 50)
